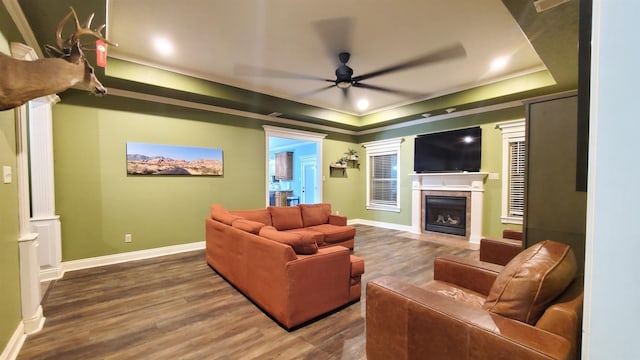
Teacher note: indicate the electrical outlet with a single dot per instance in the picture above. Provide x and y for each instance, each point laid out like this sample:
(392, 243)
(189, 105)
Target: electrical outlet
(127, 238)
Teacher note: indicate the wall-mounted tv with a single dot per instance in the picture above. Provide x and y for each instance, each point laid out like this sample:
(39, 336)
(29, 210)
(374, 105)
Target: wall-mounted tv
(449, 151)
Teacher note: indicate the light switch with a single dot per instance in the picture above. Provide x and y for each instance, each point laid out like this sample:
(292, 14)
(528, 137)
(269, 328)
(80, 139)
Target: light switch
(6, 174)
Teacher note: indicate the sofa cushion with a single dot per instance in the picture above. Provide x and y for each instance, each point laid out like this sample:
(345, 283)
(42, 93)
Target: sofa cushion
(259, 215)
(219, 213)
(285, 217)
(315, 214)
(248, 225)
(334, 233)
(531, 280)
(316, 236)
(300, 244)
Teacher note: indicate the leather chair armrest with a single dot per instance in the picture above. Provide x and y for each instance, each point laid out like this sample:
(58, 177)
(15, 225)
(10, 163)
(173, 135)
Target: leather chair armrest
(467, 273)
(512, 234)
(337, 220)
(407, 322)
(499, 251)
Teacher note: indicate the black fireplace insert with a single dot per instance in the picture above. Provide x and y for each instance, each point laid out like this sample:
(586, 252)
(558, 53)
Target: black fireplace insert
(445, 214)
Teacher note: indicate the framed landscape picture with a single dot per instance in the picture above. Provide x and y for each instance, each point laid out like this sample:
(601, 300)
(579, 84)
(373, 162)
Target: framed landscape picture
(154, 159)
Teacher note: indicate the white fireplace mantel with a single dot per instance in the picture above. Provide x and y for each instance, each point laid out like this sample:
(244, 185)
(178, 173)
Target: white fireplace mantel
(472, 182)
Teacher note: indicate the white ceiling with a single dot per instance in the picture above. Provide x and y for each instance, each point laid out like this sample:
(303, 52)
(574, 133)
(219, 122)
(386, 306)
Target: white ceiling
(213, 38)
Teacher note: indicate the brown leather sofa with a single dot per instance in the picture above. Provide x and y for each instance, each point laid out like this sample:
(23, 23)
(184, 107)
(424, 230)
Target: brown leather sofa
(285, 273)
(529, 309)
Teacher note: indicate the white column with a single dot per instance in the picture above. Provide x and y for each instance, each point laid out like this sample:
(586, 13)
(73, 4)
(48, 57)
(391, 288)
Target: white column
(32, 316)
(44, 220)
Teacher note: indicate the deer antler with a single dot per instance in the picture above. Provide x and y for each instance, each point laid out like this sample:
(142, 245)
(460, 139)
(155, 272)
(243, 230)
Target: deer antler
(81, 30)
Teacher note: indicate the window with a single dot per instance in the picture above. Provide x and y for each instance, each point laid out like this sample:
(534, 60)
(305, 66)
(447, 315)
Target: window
(383, 159)
(513, 168)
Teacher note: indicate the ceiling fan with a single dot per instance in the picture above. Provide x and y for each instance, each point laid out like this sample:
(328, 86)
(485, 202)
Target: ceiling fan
(335, 34)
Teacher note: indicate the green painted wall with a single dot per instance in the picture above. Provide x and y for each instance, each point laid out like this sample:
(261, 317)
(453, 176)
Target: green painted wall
(491, 163)
(345, 193)
(10, 308)
(99, 203)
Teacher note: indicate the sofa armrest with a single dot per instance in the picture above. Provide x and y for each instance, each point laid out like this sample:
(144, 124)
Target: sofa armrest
(499, 251)
(404, 321)
(317, 284)
(337, 220)
(470, 274)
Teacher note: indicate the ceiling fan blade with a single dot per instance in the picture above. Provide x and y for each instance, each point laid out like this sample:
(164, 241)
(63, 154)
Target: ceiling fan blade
(448, 53)
(336, 36)
(405, 93)
(248, 70)
(312, 92)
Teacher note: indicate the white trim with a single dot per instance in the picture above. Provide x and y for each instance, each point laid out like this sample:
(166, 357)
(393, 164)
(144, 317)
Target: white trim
(379, 148)
(294, 134)
(316, 138)
(512, 131)
(130, 256)
(385, 225)
(35, 323)
(12, 349)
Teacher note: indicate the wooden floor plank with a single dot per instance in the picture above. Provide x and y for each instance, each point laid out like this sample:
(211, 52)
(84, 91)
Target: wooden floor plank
(176, 307)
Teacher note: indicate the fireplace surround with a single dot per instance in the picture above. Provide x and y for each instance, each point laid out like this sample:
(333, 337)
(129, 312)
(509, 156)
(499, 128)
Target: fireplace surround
(466, 185)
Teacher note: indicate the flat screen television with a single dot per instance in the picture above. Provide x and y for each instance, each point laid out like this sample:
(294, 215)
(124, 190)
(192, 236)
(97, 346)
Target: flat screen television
(448, 151)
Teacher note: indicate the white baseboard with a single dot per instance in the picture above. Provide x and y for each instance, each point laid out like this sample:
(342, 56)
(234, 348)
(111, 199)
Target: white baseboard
(51, 274)
(14, 345)
(385, 225)
(130, 256)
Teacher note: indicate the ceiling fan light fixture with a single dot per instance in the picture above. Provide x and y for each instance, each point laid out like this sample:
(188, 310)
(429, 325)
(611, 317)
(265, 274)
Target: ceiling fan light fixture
(343, 84)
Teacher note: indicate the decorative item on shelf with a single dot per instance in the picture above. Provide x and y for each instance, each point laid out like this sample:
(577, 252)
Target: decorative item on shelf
(352, 155)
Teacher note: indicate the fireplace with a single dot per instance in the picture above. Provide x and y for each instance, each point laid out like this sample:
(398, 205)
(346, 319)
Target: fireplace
(466, 185)
(445, 214)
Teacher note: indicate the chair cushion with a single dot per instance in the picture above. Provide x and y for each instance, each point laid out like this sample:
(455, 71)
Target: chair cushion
(531, 280)
(219, 213)
(248, 225)
(285, 217)
(300, 244)
(315, 214)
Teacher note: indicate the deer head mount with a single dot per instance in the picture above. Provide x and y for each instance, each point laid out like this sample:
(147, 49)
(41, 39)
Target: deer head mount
(22, 81)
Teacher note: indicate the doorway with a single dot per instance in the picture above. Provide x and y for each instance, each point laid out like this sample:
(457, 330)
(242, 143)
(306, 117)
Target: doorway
(303, 183)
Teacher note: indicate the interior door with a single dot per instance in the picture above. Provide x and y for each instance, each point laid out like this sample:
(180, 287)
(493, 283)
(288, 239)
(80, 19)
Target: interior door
(309, 183)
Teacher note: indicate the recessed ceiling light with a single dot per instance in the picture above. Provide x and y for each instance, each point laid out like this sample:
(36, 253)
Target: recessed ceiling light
(163, 46)
(499, 63)
(363, 104)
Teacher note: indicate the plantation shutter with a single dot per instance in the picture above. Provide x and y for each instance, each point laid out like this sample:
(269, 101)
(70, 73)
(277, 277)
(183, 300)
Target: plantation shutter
(516, 178)
(384, 180)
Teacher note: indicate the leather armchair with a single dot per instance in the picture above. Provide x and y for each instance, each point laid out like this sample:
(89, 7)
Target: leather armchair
(529, 309)
(501, 251)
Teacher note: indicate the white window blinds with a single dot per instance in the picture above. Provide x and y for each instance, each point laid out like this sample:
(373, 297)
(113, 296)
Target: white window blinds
(516, 178)
(384, 180)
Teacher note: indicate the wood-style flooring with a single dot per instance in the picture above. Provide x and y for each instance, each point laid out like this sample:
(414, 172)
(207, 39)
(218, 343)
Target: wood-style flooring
(177, 307)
